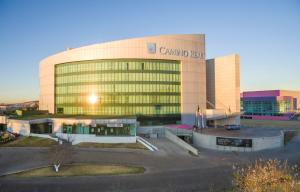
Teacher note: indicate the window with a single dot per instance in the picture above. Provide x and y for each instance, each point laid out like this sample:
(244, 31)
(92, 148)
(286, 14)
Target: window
(142, 66)
(121, 87)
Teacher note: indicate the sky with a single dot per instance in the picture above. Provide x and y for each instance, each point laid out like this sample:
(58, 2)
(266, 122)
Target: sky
(265, 33)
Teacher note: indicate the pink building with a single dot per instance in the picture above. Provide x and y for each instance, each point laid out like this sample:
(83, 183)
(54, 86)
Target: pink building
(270, 104)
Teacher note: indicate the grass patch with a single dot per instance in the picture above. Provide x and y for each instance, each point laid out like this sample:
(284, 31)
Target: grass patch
(82, 170)
(30, 142)
(112, 145)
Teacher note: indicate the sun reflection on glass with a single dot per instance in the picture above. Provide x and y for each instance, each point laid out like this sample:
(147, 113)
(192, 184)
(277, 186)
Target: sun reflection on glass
(92, 99)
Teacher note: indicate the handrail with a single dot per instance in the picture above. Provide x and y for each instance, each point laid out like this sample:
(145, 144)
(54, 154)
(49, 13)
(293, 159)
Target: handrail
(147, 144)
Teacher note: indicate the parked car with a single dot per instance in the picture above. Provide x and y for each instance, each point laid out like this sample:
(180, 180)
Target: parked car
(232, 127)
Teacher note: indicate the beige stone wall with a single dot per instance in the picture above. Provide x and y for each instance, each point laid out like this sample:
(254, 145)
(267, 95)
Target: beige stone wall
(223, 83)
(193, 75)
(293, 94)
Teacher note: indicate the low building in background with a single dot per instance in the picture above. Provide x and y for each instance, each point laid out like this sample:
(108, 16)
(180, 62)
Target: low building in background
(270, 104)
(25, 106)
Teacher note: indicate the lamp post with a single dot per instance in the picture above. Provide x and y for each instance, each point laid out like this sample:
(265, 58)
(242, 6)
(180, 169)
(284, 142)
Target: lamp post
(196, 117)
(201, 114)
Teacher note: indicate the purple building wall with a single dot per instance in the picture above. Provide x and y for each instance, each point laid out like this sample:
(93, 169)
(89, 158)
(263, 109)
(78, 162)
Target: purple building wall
(272, 93)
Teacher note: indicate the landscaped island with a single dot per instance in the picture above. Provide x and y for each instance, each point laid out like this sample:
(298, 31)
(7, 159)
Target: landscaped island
(81, 170)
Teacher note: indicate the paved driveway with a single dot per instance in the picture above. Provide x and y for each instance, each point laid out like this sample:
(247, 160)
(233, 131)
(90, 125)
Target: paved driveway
(169, 169)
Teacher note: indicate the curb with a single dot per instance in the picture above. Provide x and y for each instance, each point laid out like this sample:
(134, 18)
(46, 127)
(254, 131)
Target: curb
(23, 170)
(146, 170)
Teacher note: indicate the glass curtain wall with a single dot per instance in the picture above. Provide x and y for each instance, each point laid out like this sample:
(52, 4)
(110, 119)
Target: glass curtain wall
(266, 106)
(118, 87)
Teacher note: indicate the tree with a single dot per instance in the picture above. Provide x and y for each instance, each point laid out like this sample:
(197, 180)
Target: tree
(61, 154)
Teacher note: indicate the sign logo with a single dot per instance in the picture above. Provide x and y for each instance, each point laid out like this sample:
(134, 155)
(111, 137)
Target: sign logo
(151, 48)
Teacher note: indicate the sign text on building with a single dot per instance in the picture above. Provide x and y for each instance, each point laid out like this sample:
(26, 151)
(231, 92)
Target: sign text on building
(175, 52)
(234, 142)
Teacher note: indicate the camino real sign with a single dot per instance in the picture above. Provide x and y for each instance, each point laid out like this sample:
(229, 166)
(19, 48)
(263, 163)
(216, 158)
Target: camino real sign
(163, 50)
(233, 142)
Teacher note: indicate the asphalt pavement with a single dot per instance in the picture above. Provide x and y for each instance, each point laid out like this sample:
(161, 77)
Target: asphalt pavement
(169, 169)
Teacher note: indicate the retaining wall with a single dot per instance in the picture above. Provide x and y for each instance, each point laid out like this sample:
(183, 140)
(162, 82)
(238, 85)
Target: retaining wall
(258, 143)
(180, 142)
(43, 136)
(79, 138)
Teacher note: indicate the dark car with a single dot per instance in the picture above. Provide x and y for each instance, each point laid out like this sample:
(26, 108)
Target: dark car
(232, 127)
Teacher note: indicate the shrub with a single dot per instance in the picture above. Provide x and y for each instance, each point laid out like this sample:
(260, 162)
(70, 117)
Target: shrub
(266, 176)
(6, 137)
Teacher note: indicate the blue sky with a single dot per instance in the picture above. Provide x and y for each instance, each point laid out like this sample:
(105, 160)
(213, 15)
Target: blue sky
(266, 34)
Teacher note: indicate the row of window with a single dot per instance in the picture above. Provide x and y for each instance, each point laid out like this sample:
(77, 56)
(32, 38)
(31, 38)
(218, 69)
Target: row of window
(267, 106)
(118, 88)
(106, 77)
(120, 99)
(102, 65)
(119, 110)
(100, 130)
(130, 93)
(41, 128)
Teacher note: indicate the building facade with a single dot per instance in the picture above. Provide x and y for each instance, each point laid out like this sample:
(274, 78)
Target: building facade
(75, 130)
(271, 104)
(223, 90)
(158, 79)
(223, 83)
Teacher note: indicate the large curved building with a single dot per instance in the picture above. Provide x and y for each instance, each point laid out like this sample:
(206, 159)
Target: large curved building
(159, 78)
